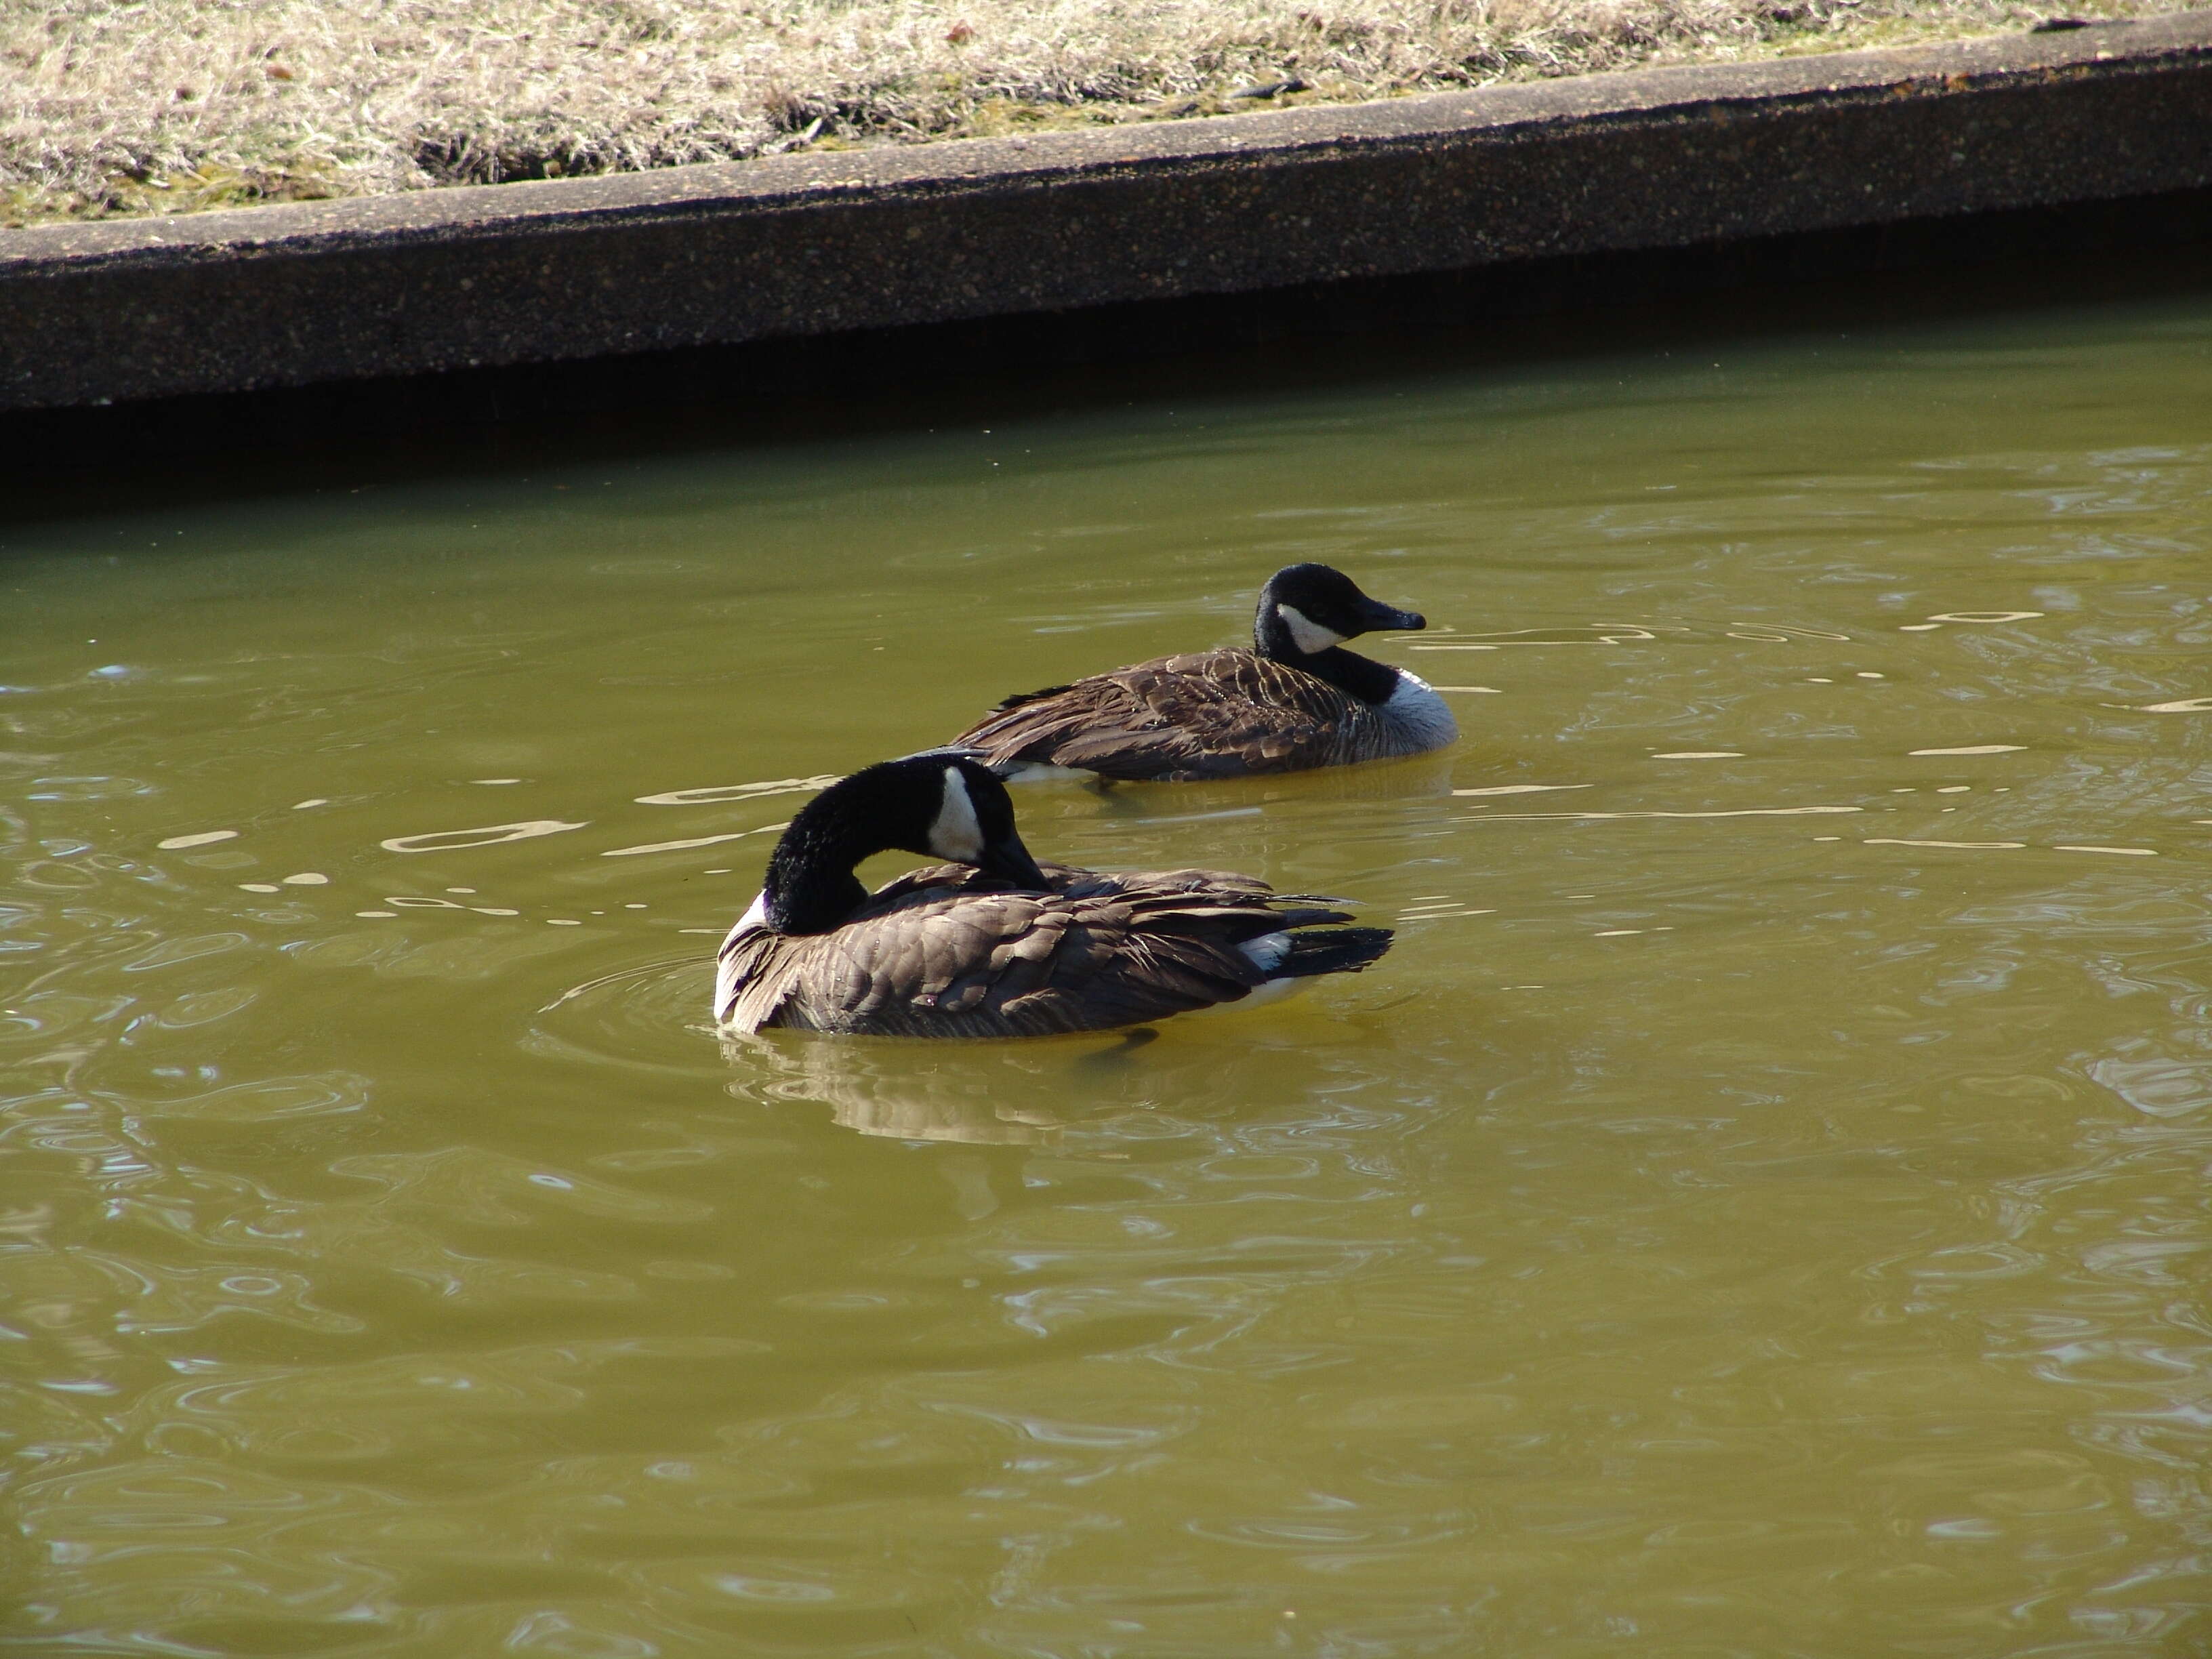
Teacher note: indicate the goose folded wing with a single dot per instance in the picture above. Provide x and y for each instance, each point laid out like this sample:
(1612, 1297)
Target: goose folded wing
(1024, 964)
(946, 881)
(916, 955)
(1192, 893)
(939, 881)
(1122, 963)
(1210, 713)
(1097, 883)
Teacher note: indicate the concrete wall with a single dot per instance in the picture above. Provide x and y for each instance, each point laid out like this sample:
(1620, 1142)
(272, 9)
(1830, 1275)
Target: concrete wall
(801, 245)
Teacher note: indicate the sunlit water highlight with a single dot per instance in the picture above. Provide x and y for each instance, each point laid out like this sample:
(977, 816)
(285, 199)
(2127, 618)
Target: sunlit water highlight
(1758, 1208)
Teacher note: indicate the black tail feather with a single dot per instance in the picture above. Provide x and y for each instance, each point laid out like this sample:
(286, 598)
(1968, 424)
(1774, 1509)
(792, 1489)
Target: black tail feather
(1311, 918)
(1339, 950)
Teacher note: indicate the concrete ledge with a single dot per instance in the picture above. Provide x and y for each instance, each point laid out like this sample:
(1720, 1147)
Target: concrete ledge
(802, 244)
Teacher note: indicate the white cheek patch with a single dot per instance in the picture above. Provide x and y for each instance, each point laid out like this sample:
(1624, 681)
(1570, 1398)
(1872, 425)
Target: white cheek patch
(956, 833)
(1306, 633)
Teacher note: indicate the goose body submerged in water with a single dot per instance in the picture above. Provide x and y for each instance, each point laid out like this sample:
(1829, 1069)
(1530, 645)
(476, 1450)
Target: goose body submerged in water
(995, 945)
(1297, 700)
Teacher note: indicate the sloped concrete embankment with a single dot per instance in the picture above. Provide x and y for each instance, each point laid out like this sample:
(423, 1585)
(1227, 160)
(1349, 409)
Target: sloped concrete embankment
(806, 244)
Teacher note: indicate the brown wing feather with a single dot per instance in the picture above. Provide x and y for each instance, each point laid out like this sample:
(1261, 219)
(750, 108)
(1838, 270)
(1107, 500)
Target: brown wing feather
(951, 952)
(1204, 714)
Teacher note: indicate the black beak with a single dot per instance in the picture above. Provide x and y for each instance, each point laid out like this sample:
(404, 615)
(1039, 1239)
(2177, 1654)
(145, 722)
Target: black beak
(1010, 861)
(1377, 617)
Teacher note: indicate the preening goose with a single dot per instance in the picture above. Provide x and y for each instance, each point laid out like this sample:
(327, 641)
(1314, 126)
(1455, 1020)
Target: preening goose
(994, 945)
(1297, 700)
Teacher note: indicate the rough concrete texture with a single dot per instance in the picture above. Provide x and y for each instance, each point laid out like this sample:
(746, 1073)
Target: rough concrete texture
(292, 295)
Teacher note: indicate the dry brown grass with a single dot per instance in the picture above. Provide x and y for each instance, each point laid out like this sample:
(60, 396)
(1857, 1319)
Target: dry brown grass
(167, 106)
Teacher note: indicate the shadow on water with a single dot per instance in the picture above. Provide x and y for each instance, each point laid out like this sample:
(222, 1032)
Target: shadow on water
(1312, 338)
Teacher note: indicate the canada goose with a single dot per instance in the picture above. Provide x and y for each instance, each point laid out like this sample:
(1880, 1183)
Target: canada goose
(993, 945)
(1297, 700)
(997, 1094)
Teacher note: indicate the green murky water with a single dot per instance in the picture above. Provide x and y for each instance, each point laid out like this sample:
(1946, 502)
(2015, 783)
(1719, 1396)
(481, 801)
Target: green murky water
(1759, 1207)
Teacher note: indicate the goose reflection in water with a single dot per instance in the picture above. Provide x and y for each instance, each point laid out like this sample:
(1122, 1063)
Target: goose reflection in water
(915, 1090)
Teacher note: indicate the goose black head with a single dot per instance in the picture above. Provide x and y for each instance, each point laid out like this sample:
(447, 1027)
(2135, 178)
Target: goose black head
(1308, 609)
(942, 803)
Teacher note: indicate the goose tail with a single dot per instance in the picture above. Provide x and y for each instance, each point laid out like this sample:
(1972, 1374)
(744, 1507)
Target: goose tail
(1339, 950)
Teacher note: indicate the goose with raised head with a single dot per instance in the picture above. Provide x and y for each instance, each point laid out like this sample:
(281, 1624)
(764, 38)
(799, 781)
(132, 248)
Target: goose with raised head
(994, 945)
(1297, 700)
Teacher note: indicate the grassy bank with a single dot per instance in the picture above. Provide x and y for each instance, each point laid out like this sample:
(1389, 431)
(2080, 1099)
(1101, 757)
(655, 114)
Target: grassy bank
(170, 105)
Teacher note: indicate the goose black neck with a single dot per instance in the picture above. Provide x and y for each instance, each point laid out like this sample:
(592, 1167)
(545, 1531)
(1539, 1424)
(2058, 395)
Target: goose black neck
(1347, 670)
(811, 887)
